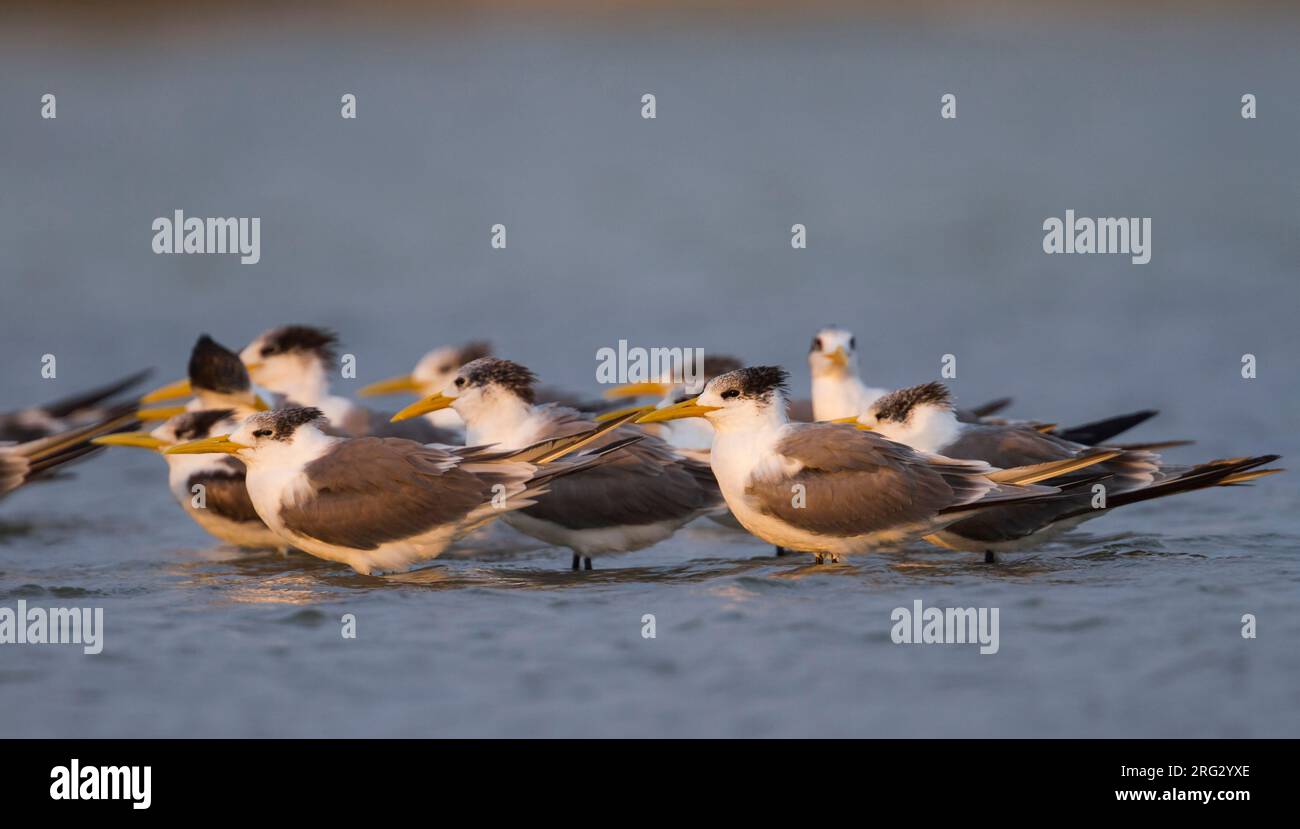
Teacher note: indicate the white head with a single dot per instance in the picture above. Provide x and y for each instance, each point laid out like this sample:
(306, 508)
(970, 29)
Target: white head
(488, 393)
(833, 353)
(747, 398)
(288, 436)
(920, 416)
(292, 360)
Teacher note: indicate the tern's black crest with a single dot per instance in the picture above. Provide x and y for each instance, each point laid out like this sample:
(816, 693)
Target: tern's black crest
(504, 373)
(755, 382)
(214, 367)
(195, 425)
(300, 339)
(283, 422)
(898, 406)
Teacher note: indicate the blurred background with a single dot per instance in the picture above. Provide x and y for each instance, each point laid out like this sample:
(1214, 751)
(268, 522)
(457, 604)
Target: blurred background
(924, 237)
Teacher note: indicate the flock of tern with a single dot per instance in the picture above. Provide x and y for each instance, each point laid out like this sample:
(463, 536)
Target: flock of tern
(264, 455)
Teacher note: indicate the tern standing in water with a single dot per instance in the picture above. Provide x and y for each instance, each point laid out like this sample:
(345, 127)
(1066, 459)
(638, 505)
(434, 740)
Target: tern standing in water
(821, 488)
(637, 499)
(923, 418)
(385, 504)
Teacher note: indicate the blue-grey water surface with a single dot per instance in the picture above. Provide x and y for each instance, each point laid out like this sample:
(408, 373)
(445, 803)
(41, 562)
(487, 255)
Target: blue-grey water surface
(924, 237)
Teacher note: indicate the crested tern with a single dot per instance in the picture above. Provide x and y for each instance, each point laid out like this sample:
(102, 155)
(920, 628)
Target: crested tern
(386, 504)
(830, 489)
(923, 418)
(639, 498)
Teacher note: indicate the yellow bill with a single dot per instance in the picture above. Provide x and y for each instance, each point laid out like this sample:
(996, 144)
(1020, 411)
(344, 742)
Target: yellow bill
(393, 385)
(171, 391)
(677, 411)
(160, 412)
(222, 444)
(431, 403)
(839, 357)
(617, 413)
(637, 390)
(143, 440)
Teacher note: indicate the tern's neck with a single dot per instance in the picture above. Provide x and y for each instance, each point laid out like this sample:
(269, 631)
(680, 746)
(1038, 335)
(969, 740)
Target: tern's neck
(841, 394)
(765, 418)
(506, 421)
(307, 387)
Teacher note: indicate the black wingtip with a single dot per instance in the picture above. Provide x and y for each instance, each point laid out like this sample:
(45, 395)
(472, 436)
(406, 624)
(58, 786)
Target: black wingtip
(1099, 431)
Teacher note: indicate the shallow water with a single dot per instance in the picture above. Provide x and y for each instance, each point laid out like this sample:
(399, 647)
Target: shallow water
(924, 237)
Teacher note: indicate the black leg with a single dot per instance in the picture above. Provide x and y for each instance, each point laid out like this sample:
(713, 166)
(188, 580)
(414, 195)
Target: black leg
(990, 557)
(820, 558)
(586, 563)
(781, 551)
(577, 561)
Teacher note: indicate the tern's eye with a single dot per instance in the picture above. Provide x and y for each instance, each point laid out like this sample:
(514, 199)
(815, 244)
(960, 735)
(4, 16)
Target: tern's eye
(730, 393)
(853, 343)
(460, 382)
(817, 344)
(262, 433)
(268, 350)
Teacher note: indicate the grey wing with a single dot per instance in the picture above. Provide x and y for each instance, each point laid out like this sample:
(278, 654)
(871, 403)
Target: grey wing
(1010, 446)
(644, 483)
(370, 491)
(855, 483)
